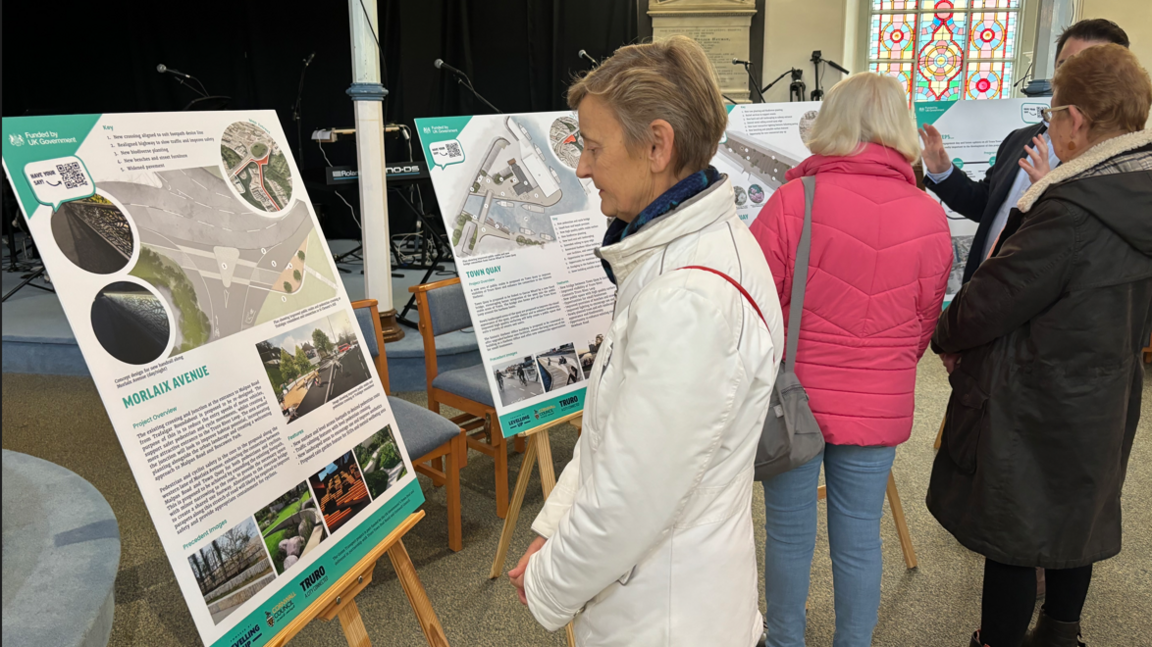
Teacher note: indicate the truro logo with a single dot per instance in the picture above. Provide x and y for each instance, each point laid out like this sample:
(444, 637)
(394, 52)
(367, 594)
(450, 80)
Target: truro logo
(567, 402)
(315, 577)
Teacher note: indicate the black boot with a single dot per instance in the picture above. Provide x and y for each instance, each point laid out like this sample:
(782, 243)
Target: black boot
(1053, 633)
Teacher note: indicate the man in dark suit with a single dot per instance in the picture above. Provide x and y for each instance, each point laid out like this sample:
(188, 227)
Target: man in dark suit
(989, 201)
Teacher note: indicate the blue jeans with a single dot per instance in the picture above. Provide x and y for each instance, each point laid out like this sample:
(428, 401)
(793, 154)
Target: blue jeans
(856, 480)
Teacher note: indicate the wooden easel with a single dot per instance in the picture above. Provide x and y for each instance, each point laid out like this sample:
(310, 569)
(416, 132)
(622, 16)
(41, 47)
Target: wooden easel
(538, 447)
(339, 601)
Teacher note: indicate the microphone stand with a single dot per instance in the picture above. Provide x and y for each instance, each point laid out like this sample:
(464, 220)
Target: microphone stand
(796, 89)
(755, 85)
(463, 80)
(297, 112)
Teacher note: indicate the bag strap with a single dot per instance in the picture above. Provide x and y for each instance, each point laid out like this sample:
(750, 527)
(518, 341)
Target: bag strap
(734, 283)
(800, 276)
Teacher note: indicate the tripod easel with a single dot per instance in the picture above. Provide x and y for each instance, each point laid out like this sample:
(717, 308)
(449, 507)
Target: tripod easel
(538, 447)
(340, 600)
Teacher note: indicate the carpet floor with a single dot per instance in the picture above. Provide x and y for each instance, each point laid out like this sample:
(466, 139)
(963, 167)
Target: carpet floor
(61, 419)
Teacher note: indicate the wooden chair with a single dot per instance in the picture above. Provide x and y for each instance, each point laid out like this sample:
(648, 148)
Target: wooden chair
(443, 309)
(428, 438)
(1148, 353)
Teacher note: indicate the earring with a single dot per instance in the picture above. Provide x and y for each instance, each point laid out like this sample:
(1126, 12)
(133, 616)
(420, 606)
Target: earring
(1071, 145)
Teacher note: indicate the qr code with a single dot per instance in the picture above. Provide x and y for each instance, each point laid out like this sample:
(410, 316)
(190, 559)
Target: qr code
(448, 150)
(72, 175)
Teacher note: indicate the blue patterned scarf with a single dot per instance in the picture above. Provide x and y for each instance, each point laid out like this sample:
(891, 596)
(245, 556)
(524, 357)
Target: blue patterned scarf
(680, 193)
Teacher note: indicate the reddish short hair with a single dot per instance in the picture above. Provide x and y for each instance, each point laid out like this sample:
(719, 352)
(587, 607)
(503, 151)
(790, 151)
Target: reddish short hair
(1108, 85)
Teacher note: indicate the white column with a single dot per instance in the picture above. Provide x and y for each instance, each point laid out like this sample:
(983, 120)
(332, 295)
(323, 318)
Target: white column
(1055, 17)
(367, 96)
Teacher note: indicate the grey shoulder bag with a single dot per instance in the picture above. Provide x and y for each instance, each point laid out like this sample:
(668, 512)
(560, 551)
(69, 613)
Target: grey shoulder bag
(791, 437)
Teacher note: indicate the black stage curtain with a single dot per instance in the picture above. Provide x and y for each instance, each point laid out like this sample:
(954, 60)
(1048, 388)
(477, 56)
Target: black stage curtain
(91, 57)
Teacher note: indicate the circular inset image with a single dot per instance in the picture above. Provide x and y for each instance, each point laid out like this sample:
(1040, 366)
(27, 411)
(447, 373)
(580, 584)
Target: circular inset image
(564, 136)
(255, 165)
(131, 323)
(806, 123)
(93, 234)
(741, 196)
(756, 193)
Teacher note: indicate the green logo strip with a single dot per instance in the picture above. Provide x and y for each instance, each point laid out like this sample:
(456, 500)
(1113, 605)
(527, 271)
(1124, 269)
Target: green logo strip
(33, 139)
(927, 112)
(528, 418)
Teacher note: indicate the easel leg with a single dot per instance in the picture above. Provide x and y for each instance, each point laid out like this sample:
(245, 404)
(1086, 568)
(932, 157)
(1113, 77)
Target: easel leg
(514, 509)
(417, 597)
(353, 625)
(939, 436)
(901, 524)
(544, 454)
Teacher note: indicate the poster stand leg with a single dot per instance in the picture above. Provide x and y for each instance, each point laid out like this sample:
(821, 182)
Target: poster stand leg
(340, 600)
(538, 447)
(939, 435)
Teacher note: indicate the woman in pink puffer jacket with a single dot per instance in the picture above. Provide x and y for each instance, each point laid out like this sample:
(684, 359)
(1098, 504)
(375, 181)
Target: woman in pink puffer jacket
(879, 265)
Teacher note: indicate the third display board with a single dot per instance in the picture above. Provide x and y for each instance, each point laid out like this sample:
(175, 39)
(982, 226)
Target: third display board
(524, 228)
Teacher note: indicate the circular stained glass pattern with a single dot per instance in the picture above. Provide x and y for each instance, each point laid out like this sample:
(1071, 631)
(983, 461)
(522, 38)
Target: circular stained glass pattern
(941, 60)
(984, 84)
(897, 36)
(943, 9)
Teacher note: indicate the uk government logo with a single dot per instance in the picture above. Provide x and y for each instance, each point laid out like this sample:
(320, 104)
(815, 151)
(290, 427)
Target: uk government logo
(16, 139)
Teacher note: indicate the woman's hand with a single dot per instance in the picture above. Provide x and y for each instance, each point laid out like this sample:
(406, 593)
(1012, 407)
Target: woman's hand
(1036, 164)
(516, 575)
(950, 361)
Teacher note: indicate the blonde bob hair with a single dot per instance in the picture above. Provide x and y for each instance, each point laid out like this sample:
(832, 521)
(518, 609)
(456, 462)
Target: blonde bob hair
(865, 108)
(669, 79)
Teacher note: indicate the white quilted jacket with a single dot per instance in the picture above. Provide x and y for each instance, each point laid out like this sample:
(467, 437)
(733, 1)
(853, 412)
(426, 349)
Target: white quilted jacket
(650, 525)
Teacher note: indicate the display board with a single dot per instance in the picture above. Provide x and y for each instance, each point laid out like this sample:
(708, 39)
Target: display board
(762, 142)
(192, 269)
(523, 230)
(972, 133)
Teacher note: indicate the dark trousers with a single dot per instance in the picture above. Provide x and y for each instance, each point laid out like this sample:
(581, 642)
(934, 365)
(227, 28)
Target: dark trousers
(1010, 598)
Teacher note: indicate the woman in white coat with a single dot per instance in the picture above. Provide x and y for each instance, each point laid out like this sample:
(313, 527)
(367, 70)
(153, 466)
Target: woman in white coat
(647, 537)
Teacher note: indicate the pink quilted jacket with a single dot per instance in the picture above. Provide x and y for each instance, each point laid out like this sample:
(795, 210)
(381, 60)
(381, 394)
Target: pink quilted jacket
(881, 255)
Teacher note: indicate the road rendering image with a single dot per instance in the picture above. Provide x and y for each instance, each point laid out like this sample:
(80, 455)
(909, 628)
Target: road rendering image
(222, 266)
(311, 365)
(255, 166)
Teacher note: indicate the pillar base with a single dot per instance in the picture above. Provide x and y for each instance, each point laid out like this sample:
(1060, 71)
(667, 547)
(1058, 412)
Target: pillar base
(390, 327)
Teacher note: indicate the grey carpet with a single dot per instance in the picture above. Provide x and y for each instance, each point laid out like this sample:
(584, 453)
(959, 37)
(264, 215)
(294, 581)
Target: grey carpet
(62, 420)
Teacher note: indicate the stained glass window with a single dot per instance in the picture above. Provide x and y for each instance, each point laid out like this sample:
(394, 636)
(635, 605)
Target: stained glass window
(943, 50)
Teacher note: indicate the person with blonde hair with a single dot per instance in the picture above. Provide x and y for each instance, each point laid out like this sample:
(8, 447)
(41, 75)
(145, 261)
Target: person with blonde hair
(878, 267)
(1043, 350)
(647, 538)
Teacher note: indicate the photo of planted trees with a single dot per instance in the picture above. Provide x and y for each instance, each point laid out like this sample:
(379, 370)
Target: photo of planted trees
(381, 461)
(231, 569)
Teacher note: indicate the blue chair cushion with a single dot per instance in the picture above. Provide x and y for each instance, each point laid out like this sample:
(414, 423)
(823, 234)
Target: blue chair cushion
(470, 383)
(422, 429)
(364, 318)
(448, 309)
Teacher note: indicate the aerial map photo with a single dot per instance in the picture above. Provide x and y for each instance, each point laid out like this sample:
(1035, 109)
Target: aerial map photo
(256, 166)
(221, 266)
(517, 188)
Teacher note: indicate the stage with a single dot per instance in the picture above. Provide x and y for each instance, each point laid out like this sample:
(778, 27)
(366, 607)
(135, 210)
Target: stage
(37, 338)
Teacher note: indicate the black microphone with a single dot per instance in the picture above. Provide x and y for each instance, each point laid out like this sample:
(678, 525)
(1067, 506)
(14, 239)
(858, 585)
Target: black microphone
(164, 69)
(584, 55)
(441, 65)
(836, 66)
(308, 61)
(737, 61)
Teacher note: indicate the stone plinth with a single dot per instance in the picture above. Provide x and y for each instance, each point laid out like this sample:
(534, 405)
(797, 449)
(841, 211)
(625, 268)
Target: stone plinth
(722, 28)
